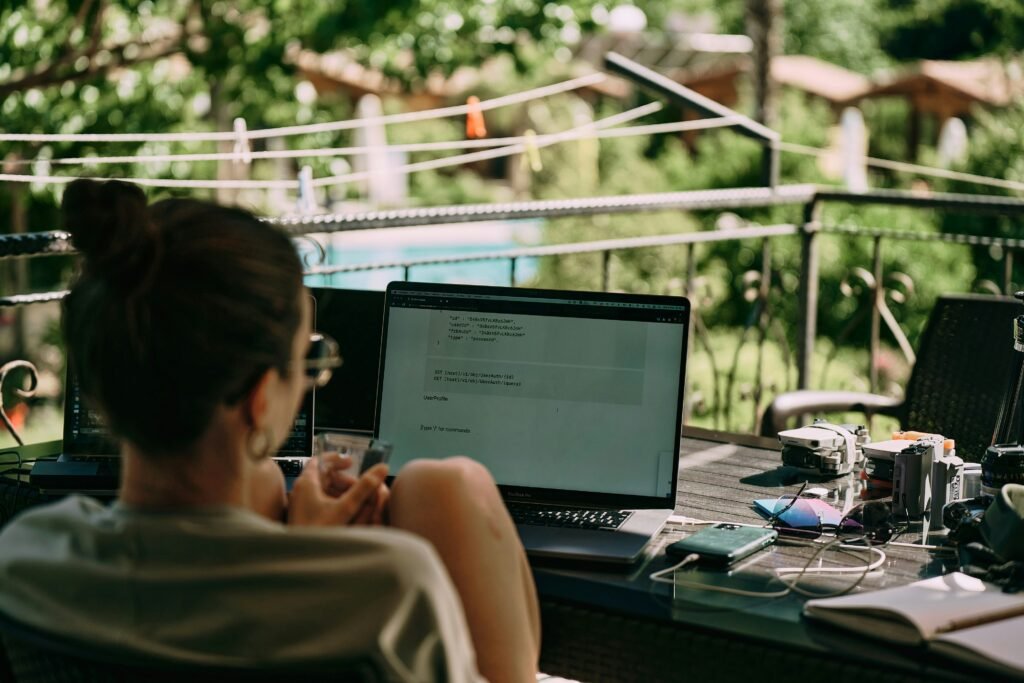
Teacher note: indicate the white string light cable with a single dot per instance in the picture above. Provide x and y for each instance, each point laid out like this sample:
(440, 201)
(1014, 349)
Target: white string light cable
(439, 146)
(576, 133)
(288, 131)
(906, 167)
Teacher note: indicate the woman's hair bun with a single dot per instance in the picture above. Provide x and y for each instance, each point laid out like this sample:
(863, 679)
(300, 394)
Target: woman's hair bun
(110, 224)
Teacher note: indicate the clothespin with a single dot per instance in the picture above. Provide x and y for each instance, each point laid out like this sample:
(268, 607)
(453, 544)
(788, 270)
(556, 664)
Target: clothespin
(475, 127)
(306, 203)
(241, 151)
(531, 155)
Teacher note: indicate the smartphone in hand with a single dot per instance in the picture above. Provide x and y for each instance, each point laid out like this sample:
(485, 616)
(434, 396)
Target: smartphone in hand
(723, 544)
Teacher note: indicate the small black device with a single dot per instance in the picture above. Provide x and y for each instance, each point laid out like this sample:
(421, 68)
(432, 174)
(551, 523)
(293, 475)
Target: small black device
(723, 543)
(959, 514)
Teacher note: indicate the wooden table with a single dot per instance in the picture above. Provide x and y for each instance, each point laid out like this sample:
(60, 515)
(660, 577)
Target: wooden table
(608, 625)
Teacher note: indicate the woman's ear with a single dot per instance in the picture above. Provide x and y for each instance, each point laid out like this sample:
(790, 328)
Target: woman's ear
(256, 404)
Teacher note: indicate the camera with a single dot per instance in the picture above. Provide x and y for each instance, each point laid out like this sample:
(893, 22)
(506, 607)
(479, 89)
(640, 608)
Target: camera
(823, 448)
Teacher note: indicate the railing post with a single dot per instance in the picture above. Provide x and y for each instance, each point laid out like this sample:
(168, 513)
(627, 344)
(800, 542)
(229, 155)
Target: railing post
(1008, 272)
(405, 273)
(770, 163)
(808, 322)
(606, 269)
(877, 294)
(691, 269)
(763, 291)
(512, 272)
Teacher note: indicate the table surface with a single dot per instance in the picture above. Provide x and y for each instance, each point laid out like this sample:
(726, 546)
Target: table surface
(718, 481)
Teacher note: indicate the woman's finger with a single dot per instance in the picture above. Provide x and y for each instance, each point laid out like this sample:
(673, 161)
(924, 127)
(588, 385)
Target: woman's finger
(350, 502)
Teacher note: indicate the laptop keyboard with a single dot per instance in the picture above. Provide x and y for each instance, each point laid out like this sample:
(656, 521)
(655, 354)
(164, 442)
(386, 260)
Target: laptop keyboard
(291, 467)
(576, 518)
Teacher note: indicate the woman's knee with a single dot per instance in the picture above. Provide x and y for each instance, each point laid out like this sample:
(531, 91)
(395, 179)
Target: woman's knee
(433, 476)
(444, 486)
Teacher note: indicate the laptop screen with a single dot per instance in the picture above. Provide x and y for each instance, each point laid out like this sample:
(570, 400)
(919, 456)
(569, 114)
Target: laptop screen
(86, 434)
(84, 430)
(353, 317)
(564, 396)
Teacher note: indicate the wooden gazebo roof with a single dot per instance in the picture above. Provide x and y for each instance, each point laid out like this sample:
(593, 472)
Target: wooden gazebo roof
(952, 88)
(819, 78)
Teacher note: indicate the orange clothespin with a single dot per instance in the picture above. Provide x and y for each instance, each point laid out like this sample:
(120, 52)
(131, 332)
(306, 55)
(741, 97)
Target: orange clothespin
(475, 128)
(531, 155)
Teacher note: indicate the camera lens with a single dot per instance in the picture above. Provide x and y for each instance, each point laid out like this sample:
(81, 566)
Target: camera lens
(1001, 464)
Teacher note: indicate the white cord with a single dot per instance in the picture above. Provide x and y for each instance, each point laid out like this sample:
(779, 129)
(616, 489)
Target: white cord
(539, 141)
(781, 574)
(661, 573)
(579, 132)
(287, 131)
(911, 168)
(439, 146)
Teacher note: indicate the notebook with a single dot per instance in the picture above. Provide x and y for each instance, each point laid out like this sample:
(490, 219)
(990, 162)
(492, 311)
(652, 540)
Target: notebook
(956, 615)
(571, 399)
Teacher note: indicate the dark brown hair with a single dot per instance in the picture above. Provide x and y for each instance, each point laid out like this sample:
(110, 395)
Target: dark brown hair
(179, 307)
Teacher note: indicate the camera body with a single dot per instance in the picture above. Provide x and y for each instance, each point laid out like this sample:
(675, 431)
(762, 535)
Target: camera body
(823, 448)
(924, 470)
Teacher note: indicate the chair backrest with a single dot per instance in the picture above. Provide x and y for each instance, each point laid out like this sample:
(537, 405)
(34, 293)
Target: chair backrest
(28, 655)
(962, 370)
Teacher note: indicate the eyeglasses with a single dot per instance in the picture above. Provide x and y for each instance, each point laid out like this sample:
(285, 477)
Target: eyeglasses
(321, 361)
(870, 523)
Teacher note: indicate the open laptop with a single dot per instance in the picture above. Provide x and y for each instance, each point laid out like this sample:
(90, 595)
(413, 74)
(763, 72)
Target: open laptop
(90, 461)
(571, 399)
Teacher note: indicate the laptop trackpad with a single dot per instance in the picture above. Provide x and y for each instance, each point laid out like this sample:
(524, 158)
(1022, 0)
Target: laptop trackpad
(620, 547)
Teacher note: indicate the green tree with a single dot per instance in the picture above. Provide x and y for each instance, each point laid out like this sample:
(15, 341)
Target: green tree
(952, 29)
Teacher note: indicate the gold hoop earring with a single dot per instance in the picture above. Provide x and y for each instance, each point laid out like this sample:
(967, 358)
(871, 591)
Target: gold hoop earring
(259, 443)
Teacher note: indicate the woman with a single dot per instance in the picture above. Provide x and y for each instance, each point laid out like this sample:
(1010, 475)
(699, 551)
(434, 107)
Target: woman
(189, 329)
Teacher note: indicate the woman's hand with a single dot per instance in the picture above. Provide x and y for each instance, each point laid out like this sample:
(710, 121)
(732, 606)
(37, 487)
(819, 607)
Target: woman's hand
(337, 498)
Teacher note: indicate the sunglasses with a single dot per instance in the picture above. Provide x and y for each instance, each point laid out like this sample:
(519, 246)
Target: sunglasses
(321, 361)
(870, 523)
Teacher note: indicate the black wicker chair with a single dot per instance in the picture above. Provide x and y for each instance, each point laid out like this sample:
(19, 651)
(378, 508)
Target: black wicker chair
(28, 655)
(955, 389)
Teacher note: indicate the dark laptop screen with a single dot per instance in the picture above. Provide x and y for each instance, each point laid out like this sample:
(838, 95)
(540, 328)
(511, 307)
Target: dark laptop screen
(555, 392)
(85, 433)
(353, 317)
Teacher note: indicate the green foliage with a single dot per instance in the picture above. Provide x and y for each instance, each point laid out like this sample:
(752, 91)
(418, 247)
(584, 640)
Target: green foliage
(952, 29)
(843, 32)
(994, 151)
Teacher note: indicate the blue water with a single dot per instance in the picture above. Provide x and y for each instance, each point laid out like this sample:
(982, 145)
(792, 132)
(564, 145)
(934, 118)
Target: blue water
(493, 272)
